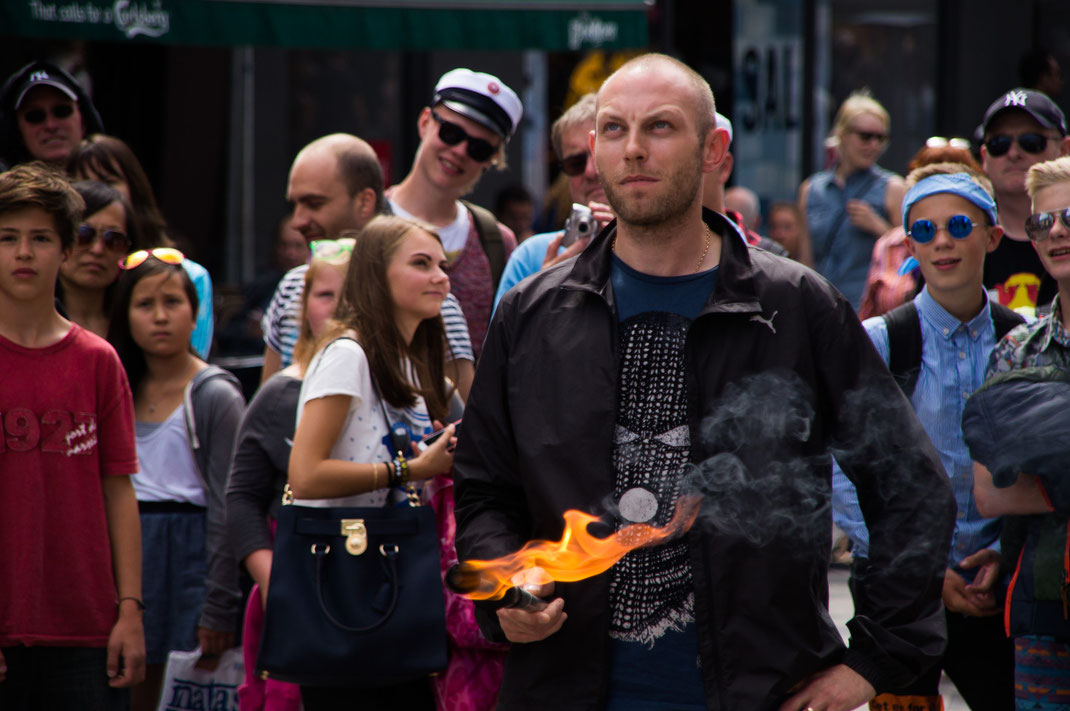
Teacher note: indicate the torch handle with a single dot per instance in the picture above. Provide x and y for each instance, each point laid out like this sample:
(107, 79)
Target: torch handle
(519, 598)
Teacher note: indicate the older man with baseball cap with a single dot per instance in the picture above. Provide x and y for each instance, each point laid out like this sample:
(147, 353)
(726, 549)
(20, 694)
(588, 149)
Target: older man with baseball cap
(44, 115)
(1020, 129)
(463, 133)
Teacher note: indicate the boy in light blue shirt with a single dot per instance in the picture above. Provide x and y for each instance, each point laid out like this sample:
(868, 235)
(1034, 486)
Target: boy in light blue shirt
(951, 224)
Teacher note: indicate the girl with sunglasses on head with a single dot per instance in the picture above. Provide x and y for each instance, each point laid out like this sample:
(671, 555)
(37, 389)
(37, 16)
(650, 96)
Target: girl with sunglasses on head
(261, 460)
(381, 358)
(110, 160)
(87, 278)
(187, 413)
(847, 207)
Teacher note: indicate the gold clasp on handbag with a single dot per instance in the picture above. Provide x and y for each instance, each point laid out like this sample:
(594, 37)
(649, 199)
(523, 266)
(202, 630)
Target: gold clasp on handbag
(356, 534)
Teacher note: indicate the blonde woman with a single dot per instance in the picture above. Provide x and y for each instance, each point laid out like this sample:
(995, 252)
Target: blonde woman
(261, 460)
(847, 207)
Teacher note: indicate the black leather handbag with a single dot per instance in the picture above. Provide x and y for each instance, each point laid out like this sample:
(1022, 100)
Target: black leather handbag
(355, 597)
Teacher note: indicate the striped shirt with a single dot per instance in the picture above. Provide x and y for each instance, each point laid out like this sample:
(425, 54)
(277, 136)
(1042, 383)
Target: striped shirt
(280, 322)
(954, 358)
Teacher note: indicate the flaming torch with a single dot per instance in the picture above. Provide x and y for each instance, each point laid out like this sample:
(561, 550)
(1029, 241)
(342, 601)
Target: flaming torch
(576, 556)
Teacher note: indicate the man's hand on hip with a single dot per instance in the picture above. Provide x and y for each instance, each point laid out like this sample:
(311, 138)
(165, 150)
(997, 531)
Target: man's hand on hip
(838, 688)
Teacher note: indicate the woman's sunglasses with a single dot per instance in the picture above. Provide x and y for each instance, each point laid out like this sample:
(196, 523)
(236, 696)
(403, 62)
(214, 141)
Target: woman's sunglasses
(451, 134)
(574, 165)
(59, 111)
(923, 231)
(1038, 226)
(868, 136)
(1029, 142)
(112, 239)
(167, 255)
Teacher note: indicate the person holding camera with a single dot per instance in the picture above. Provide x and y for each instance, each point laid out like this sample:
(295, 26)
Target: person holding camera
(590, 212)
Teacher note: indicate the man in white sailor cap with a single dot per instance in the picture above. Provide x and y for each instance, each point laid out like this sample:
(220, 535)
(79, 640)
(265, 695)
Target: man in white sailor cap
(463, 133)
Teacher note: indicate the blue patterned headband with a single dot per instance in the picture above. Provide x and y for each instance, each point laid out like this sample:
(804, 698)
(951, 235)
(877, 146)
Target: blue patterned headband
(960, 184)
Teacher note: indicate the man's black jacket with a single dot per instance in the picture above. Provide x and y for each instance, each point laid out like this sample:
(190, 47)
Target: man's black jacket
(779, 370)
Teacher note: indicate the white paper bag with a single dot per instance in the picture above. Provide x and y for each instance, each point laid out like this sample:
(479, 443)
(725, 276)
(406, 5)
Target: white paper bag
(187, 688)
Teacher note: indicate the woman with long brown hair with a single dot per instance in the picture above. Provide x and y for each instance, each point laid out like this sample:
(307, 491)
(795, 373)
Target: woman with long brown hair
(381, 363)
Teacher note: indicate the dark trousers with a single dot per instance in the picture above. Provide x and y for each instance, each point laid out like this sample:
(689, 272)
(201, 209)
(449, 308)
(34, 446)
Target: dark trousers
(979, 659)
(59, 679)
(411, 696)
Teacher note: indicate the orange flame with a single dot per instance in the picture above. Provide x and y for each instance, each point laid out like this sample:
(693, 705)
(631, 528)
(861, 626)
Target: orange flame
(578, 555)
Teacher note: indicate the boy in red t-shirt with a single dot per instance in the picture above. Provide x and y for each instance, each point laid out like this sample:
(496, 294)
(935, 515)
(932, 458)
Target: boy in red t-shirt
(71, 634)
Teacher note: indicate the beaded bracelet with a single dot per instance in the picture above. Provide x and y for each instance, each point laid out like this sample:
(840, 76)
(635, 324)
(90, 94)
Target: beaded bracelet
(403, 477)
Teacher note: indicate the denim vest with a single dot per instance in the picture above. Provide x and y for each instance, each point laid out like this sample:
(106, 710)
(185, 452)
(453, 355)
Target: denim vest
(842, 251)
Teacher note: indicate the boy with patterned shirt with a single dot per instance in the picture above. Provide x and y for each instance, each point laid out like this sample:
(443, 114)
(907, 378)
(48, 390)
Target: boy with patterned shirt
(1016, 429)
(71, 633)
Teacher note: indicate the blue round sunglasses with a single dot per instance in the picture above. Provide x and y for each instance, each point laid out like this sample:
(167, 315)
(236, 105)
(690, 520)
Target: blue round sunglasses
(923, 231)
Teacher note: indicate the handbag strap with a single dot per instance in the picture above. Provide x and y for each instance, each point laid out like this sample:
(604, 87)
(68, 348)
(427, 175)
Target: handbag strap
(390, 554)
(397, 445)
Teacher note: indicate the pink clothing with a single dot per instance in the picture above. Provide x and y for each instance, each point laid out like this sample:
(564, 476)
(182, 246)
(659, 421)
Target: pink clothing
(885, 288)
(68, 420)
(474, 672)
(471, 283)
(256, 694)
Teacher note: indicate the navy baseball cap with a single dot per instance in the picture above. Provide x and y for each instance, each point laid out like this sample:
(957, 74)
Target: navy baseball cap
(1034, 103)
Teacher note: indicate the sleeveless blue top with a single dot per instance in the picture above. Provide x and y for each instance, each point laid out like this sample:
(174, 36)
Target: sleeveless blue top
(842, 251)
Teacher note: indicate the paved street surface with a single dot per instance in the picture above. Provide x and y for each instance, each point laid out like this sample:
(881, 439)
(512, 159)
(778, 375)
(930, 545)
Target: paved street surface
(842, 609)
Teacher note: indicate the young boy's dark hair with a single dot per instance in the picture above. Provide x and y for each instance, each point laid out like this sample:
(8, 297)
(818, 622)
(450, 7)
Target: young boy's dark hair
(38, 185)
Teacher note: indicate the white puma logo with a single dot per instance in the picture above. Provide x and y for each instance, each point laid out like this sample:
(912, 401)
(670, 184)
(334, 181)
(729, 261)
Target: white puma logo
(767, 321)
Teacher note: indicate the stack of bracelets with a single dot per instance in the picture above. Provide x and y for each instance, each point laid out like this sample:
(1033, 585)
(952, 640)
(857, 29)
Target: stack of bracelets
(399, 471)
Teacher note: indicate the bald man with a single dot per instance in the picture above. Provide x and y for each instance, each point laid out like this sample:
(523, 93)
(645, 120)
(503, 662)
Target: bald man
(336, 184)
(657, 358)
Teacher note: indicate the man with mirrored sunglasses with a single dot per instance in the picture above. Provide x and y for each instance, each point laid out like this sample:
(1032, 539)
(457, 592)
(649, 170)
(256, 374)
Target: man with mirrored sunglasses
(1016, 430)
(44, 115)
(1020, 129)
(463, 134)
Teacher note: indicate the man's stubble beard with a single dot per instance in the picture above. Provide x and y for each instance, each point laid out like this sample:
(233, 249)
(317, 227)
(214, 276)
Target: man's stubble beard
(683, 189)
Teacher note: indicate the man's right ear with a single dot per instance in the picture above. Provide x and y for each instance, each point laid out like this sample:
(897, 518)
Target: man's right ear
(1064, 146)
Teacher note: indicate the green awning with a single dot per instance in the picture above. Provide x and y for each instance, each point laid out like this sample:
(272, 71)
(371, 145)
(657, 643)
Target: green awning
(364, 24)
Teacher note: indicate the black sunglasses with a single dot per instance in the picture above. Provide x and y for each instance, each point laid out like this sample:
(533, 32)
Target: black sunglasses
(59, 111)
(1028, 142)
(867, 136)
(574, 165)
(112, 239)
(451, 134)
(1038, 226)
